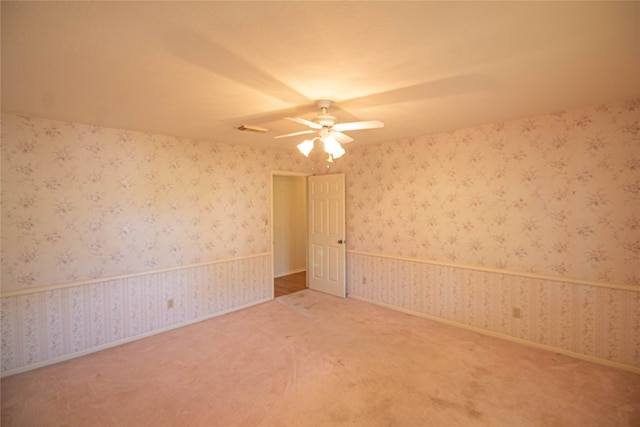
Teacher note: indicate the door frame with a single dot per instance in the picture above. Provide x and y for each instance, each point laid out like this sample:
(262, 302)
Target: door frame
(272, 175)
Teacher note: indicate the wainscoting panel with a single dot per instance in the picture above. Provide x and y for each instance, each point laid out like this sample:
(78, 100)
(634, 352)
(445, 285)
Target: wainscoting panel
(598, 322)
(45, 326)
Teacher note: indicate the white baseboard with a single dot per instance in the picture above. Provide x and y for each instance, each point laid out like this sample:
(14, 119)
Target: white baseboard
(297, 270)
(585, 357)
(112, 344)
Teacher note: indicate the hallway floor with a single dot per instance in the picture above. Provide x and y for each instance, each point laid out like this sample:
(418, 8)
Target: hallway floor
(289, 284)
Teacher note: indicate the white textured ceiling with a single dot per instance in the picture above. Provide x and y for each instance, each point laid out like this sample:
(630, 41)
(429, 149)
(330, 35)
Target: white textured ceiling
(200, 69)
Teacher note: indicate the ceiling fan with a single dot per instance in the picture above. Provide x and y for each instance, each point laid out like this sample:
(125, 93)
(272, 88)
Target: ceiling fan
(329, 132)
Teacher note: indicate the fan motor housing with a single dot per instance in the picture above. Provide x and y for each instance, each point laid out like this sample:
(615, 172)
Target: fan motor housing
(326, 120)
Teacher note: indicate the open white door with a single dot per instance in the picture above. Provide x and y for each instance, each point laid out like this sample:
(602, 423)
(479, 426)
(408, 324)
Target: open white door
(326, 265)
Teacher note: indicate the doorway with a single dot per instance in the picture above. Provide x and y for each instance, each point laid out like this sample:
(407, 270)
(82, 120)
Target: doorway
(289, 232)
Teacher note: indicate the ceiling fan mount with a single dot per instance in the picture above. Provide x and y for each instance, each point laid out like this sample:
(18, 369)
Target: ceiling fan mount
(324, 104)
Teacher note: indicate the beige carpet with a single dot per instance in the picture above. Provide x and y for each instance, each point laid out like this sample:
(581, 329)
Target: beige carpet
(309, 359)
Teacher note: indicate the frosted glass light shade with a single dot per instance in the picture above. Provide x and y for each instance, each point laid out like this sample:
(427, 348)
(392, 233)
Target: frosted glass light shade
(333, 147)
(338, 152)
(305, 147)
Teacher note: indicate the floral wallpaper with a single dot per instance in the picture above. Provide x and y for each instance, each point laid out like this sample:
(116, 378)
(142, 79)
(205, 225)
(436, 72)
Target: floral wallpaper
(83, 202)
(555, 195)
(39, 328)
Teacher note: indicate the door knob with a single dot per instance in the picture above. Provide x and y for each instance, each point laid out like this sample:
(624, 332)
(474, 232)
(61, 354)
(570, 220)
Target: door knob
(340, 241)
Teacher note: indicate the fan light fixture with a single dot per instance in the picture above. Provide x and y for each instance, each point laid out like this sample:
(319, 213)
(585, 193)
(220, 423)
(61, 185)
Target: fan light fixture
(331, 146)
(329, 132)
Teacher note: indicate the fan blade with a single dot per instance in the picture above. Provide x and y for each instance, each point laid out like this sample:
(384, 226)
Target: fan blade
(312, 125)
(373, 124)
(341, 137)
(294, 134)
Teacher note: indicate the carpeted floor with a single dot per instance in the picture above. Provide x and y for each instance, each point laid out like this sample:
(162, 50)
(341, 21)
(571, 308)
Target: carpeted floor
(309, 359)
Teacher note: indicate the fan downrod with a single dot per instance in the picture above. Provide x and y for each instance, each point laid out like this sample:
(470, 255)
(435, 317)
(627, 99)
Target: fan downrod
(324, 105)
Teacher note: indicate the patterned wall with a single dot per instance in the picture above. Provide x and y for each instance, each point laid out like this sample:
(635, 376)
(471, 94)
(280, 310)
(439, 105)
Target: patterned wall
(557, 195)
(83, 202)
(42, 327)
(92, 219)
